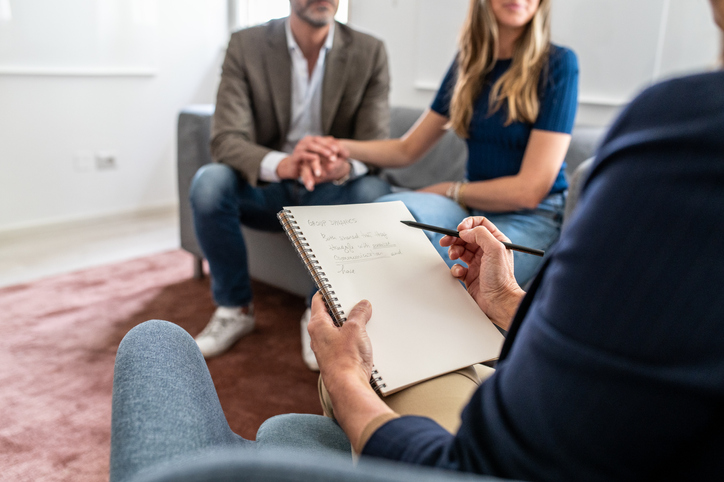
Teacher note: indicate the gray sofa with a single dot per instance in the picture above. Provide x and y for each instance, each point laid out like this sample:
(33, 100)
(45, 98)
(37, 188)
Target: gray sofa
(272, 259)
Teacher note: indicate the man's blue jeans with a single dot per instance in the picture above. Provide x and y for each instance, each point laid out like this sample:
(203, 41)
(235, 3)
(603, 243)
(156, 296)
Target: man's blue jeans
(536, 228)
(166, 410)
(221, 199)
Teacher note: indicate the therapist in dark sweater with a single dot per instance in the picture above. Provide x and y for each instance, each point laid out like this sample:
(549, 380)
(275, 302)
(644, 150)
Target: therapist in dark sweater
(614, 365)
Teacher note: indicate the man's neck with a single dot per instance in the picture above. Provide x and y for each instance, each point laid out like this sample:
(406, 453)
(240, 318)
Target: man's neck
(309, 38)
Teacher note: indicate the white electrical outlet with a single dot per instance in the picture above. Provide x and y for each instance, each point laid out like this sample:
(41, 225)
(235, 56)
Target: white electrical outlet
(106, 160)
(83, 161)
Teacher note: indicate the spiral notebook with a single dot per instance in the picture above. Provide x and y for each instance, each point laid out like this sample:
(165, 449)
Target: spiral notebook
(424, 323)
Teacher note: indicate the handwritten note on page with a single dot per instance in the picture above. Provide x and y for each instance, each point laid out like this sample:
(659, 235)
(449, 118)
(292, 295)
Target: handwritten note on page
(423, 322)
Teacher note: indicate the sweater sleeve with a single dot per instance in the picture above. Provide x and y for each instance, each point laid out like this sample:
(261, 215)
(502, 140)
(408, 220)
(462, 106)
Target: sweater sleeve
(559, 98)
(441, 102)
(417, 440)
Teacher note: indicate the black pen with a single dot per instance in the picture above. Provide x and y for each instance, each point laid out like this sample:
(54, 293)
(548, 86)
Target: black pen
(452, 232)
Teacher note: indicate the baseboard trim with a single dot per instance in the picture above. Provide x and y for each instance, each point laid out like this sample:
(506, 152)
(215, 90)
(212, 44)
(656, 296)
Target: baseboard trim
(151, 212)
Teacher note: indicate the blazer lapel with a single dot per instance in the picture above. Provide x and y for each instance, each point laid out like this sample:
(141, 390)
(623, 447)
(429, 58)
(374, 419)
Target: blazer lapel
(278, 66)
(336, 68)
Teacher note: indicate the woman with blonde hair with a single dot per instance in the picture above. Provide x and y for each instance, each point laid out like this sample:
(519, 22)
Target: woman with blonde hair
(512, 96)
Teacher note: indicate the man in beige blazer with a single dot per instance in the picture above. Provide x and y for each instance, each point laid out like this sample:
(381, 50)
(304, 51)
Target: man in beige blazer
(284, 86)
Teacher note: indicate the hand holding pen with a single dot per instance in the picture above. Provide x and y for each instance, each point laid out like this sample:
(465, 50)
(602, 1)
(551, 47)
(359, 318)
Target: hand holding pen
(489, 277)
(456, 234)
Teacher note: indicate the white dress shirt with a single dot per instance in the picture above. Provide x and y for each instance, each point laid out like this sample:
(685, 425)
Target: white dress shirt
(306, 106)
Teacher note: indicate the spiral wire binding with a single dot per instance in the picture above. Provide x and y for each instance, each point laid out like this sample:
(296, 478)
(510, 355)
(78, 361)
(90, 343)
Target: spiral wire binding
(376, 380)
(295, 235)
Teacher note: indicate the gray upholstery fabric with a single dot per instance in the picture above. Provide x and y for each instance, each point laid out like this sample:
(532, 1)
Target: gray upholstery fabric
(584, 143)
(575, 183)
(428, 170)
(194, 131)
(271, 257)
(295, 466)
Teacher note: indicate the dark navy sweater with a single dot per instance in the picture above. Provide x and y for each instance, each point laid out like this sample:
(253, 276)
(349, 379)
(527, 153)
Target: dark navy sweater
(614, 365)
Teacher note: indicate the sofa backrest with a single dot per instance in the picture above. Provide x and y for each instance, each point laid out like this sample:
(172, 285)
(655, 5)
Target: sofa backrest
(444, 162)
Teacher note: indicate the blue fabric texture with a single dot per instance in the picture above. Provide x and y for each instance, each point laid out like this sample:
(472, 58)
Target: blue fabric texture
(166, 410)
(496, 150)
(221, 198)
(614, 365)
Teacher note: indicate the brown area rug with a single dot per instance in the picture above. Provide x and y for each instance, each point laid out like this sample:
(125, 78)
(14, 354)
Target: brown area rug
(58, 340)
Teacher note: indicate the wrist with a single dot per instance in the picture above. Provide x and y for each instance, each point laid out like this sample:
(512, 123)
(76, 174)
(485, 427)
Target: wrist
(504, 305)
(343, 180)
(357, 407)
(340, 379)
(456, 192)
(282, 170)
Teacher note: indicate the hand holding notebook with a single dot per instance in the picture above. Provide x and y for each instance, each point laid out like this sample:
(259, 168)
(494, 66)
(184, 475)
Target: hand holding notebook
(424, 323)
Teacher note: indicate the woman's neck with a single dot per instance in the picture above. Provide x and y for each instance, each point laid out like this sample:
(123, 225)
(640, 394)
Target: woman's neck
(506, 41)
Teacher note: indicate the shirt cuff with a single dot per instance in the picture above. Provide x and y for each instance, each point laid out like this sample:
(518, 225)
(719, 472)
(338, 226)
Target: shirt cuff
(371, 428)
(268, 168)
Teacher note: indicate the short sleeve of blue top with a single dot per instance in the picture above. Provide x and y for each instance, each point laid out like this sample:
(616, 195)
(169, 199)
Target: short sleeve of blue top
(496, 150)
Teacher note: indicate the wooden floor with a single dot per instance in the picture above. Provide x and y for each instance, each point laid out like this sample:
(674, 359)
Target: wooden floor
(34, 253)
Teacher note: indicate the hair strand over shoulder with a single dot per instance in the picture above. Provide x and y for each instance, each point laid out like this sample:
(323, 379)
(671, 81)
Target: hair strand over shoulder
(517, 88)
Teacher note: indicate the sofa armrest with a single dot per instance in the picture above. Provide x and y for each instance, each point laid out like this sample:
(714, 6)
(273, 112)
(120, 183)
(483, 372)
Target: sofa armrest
(584, 142)
(194, 130)
(575, 183)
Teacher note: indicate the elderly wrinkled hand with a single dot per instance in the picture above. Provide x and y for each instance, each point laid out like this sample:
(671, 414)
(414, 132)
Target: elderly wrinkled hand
(489, 277)
(341, 351)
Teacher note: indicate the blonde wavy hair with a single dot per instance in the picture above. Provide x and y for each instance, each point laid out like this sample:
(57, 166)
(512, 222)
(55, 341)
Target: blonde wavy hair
(517, 88)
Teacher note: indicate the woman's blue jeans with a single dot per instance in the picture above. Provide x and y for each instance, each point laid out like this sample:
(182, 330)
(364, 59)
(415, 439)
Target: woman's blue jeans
(221, 199)
(166, 410)
(536, 228)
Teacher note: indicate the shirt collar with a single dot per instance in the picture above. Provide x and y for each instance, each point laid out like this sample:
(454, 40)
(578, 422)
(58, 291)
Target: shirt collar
(292, 44)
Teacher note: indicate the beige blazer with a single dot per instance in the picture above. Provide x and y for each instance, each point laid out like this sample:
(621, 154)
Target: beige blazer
(253, 104)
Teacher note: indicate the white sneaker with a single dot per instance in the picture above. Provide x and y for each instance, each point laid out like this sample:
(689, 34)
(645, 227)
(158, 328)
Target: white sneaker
(307, 354)
(225, 328)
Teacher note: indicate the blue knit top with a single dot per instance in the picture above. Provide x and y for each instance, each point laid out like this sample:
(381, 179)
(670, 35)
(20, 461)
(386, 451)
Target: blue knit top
(496, 150)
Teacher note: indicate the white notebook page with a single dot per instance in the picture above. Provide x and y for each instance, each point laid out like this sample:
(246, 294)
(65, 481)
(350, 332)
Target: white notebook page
(423, 323)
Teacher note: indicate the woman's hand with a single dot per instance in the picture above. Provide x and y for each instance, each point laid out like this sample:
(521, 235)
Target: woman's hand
(489, 277)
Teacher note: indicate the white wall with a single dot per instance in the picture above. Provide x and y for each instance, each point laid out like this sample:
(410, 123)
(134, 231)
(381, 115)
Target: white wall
(61, 102)
(58, 111)
(622, 45)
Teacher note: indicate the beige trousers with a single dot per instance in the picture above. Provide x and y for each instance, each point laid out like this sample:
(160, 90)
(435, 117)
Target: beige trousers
(441, 399)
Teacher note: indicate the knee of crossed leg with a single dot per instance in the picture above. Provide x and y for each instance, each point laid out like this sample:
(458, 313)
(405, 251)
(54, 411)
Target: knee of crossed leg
(212, 186)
